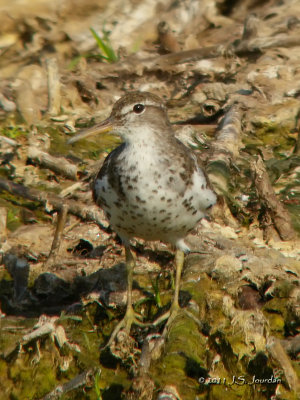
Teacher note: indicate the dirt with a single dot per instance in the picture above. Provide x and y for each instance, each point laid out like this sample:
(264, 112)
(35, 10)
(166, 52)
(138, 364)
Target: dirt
(229, 74)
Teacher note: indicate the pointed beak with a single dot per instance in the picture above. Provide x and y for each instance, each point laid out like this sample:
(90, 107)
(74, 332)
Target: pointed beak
(104, 126)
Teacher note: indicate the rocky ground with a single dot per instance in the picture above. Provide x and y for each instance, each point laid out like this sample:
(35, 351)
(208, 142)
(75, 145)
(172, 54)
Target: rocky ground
(229, 73)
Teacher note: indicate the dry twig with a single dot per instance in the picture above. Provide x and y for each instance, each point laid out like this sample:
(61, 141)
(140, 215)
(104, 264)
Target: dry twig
(53, 86)
(225, 148)
(59, 165)
(61, 221)
(278, 353)
(274, 207)
(81, 210)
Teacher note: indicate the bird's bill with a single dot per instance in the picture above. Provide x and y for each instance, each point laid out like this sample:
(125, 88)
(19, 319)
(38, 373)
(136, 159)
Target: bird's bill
(104, 126)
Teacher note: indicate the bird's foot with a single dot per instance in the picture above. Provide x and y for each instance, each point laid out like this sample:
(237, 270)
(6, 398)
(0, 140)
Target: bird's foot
(130, 318)
(169, 316)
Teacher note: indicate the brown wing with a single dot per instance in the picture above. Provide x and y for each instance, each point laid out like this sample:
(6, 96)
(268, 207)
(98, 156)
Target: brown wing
(109, 169)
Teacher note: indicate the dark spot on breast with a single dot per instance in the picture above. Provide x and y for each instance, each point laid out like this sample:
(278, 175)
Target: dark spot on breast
(103, 189)
(118, 204)
(139, 200)
(129, 187)
(140, 215)
(154, 191)
(183, 176)
(169, 200)
(162, 198)
(165, 219)
(162, 211)
(194, 212)
(202, 186)
(171, 179)
(135, 179)
(154, 219)
(102, 201)
(132, 167)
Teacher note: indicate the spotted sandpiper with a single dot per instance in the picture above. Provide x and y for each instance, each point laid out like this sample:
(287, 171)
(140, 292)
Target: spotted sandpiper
(150, 187)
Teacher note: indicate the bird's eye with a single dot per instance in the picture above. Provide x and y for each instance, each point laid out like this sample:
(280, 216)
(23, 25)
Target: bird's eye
(138, 108)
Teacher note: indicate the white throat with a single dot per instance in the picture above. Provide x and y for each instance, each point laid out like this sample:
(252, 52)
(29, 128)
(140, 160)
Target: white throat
(139, 136)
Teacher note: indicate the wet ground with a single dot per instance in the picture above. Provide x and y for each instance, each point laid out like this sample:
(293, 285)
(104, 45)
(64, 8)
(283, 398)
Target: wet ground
(230, 77)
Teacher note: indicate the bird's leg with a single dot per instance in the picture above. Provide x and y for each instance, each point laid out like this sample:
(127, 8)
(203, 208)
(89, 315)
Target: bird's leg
(171, 314)
(179, 260)
(130, 264)
(130, 316)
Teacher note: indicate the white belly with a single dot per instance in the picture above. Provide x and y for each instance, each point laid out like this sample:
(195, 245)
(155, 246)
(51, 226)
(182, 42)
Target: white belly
(155, 204)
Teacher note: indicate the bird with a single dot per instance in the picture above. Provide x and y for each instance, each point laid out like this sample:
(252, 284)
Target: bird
(150, 187)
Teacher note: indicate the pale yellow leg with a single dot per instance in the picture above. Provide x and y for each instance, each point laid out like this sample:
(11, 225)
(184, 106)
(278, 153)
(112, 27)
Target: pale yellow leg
(130, 316)
(171, 314)
(179, 260)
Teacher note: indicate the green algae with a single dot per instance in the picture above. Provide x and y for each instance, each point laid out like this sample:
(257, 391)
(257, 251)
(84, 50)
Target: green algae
(270, 134)
(276, 311)
(90, 338)
(85, 149)
(13, 218)
(13, 131)
(277, 145)
(276, 323)
(32, 381)
(29, 377)
(15, 206)
(188, 351)
(21, 377)
(183, 355)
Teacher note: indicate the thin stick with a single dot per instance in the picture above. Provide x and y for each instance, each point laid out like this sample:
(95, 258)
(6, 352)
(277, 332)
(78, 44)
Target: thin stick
(84, 211)
(57, 240)
(274, 207)
(59, 165)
